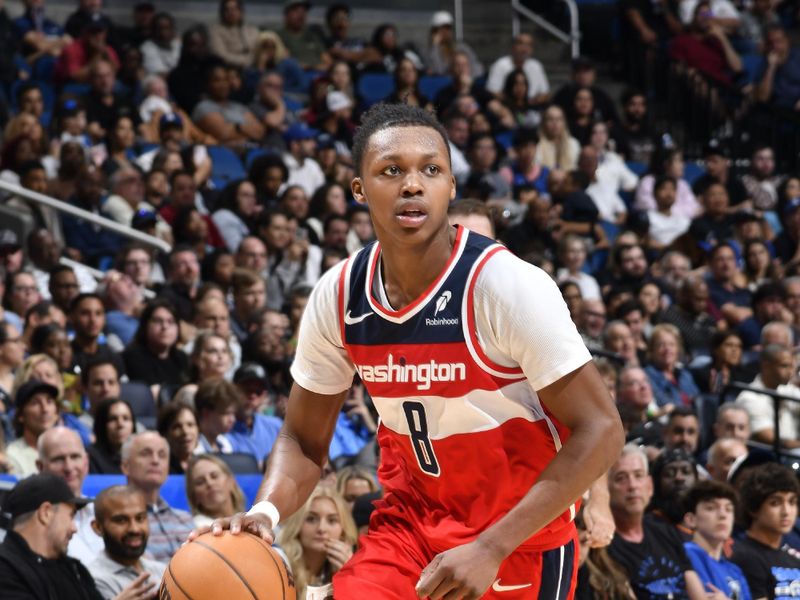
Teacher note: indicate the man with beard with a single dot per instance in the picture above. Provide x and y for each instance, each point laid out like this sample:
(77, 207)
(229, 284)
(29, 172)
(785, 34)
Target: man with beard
(44, 254)
(121, 520)
(33, 557)
(673, 472)
(634, 136)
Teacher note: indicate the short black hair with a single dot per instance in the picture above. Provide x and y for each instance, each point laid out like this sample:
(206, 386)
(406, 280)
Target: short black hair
(29, 165)
(385, 116)
(525, 135)
(24, 88)
(76, 301)
(40, 309)
(759, 483)
(663, 180)
(95, 363)
(680, 412)
(40, 335)
(706, 490)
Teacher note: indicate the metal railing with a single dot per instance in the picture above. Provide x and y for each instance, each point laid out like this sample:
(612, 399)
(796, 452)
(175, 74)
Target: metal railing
(777, 398)
(98, 274)
(103, 222)
(573, 37)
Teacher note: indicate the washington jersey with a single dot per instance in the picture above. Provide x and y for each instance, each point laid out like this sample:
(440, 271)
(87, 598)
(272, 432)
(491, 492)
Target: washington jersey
(453, 376)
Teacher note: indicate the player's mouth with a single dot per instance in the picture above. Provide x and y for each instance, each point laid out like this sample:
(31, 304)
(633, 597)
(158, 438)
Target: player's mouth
(411, 215)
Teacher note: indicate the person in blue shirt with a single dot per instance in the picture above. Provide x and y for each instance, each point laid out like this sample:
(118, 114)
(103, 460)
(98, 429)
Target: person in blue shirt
(253, 432)
(710, 508)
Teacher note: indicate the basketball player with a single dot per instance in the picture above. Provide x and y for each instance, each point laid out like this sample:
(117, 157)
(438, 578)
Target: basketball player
(494, 419)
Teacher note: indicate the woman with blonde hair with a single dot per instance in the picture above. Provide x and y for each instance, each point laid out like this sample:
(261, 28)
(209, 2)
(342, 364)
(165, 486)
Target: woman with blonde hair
(557, 149)
(212, 490)
(352, 482)
(318, 539)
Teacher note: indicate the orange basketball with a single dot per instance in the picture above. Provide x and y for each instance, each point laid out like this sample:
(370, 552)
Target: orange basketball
(227, 567)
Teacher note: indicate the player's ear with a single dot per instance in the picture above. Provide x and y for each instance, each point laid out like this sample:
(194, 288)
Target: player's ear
(357, 187)
(452, 188)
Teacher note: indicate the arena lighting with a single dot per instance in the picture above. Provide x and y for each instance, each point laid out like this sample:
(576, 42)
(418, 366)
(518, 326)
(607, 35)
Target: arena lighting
(796, 466)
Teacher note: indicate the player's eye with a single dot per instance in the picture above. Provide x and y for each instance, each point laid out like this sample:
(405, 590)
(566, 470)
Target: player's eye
(392, 170)
(432, 170)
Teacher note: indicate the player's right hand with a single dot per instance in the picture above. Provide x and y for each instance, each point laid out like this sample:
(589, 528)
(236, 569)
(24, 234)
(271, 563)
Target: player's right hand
(257, 524)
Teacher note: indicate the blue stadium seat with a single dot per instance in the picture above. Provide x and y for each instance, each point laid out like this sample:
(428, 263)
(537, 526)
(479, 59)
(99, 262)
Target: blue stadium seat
(374, 87)
(141, 400)
(241, 463)
(692, 171)
(505, 139)
(225, 166)
(431, 85)
(637, 167)
(753, 64)
(76, 89)
(253, 154)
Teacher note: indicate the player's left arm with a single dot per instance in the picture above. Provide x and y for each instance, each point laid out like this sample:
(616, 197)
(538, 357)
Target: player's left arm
(580, 401)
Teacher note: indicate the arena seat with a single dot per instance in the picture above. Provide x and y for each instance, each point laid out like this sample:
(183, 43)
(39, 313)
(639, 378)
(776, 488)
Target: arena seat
(692, 172)
(431, 85)
(141, 400)
(241, 463)
(225, 166)
(374, 87)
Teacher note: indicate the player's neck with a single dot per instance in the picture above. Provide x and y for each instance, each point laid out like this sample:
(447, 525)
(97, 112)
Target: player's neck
(408, 271)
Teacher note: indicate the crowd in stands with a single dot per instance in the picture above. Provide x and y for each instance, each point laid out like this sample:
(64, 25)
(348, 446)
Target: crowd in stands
(232, 143)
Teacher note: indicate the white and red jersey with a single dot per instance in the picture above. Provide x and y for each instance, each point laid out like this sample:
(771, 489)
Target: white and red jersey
(453, 375)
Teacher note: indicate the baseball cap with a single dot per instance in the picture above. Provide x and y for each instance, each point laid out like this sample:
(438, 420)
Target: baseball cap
(337, 101)
(69, 108)
(326, 142)
(9, 240)
(167, 121)
(250, 371)
(715, 147)
(96, 23)
(441, 18)
(142, 219)
(582, 63)
(30, 493)
(31, 387)
(299, 131)
(746, 216)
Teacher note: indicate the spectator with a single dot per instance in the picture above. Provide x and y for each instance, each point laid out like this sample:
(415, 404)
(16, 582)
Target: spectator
(34, 177)
(730, 300)
(406, 87)
(665, 225)
(233, 40)
(114, 423)
(557, 149)
(61, 453)
(226, 120)
(177, 423)
(88, 318)
(617, 338)
(137, 263)
(99, 382)
(672, 383)
(768, 305)
(318, 539)
(761, 182)
(153, 356)
(75, 61)
(769, 511)
(682, 430)
(186, 81)
(304, 171)
(669, 162)
(124, 301)
(442, 47)
(337, 18)
(777, 369)
(584, 76)
(21, 294)
(249, 296)
(254, 432)
(12, 355)
(236, 212)
(145, 460)
(123, 525)
(183, 281)
(633, 136)
(629, 268)
(706, 48)
(610, 177)
(716, 156)
(44, 253)
(778, 84)
(383, 52)
(33, 556)
(598, 574)
(212, 490)
(689, 314)
(352, 483)
(733, 421)
(710, 508)
(36, 412)
(756, 22)
(674, 472)
(721, 457)
(592, 320)
(42, 38)
(162, 52)
(103, 104)
(649, 550)
(572, 257)
(486, 181)
(726, 363)
(304, 44)
(216, 402)
(521, 57)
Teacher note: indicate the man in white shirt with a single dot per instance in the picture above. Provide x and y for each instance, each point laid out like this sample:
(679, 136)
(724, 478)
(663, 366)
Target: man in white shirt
(61, 453)
(521, 57)
(777, 367)
(303, 170)
(724, 13)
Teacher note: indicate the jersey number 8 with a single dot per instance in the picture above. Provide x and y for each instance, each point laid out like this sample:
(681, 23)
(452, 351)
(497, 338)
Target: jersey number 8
(420, 442)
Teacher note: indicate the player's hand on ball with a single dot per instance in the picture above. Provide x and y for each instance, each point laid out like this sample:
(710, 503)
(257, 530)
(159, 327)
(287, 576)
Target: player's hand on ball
(257, 524)
(464, 572)
(338, 553)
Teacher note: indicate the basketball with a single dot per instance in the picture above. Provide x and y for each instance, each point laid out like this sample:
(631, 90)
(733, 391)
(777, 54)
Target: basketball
(229, 567)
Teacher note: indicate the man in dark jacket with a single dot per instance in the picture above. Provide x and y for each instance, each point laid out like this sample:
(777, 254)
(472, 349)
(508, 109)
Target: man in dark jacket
(33, 557)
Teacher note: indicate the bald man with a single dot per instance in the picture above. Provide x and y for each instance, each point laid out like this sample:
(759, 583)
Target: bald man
(721, 456)
(61, 453)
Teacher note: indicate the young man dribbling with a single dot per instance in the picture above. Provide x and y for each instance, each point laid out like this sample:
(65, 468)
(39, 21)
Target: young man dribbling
(472, 361)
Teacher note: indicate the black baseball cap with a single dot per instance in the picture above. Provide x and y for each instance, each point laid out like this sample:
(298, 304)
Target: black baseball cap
(9, 240)
(250, 371)
(715, 147)
(31, 387)
(30, 493)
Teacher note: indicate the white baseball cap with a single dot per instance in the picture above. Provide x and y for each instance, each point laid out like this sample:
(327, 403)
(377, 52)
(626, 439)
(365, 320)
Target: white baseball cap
(337, 101)
(441, 18)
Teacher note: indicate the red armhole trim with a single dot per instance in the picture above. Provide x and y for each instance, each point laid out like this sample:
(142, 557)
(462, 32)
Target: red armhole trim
(342, 279)
(471, 328)
(423, 295)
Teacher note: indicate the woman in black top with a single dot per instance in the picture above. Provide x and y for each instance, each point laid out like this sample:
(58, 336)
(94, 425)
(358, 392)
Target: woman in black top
(153, 356)
(113, 425)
